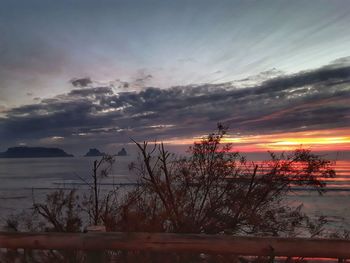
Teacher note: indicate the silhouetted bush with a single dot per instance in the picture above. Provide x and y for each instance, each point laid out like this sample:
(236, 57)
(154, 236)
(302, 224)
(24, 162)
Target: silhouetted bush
(217, 191)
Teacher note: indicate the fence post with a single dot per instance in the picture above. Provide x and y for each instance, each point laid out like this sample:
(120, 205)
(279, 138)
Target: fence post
(95, 256)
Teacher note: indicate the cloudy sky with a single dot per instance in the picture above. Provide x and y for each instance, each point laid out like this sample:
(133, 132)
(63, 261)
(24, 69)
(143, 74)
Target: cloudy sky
(82, 73)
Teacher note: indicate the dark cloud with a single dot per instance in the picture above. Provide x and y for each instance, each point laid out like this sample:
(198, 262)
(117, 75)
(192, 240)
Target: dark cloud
(94, 92)
(140, 80)
(315, 99)
(82, 82)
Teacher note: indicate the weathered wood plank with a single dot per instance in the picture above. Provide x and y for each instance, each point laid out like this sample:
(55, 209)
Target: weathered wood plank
(163, 242)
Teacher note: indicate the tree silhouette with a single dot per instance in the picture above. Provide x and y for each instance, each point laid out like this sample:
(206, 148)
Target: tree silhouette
(216, 190)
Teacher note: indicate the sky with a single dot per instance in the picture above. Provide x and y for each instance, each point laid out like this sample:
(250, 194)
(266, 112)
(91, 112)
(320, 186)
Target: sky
(85, 73)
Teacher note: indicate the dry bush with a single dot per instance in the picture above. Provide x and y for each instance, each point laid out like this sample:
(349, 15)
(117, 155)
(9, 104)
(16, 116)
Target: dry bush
(60, 212)
(216, 191)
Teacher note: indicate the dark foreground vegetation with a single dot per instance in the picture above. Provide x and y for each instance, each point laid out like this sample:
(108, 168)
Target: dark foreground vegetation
(213, 190)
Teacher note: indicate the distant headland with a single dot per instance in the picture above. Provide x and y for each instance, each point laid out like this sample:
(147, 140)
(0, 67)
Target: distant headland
(33, 152)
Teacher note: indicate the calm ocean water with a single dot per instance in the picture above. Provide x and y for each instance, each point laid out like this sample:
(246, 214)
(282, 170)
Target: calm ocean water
(23, 181)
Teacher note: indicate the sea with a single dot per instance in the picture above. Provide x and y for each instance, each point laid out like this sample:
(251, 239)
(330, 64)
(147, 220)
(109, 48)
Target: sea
(24, 181)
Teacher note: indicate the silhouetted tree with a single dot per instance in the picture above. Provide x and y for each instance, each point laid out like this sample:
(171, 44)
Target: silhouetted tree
(95, 204)
(216, 190)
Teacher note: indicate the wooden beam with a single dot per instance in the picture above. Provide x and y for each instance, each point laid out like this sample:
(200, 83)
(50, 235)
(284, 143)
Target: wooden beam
(164, 242)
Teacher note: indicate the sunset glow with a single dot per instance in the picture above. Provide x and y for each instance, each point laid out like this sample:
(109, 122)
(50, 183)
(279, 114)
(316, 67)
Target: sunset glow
(322, 140)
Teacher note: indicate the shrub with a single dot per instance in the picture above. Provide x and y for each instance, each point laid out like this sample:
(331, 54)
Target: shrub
(215, 190)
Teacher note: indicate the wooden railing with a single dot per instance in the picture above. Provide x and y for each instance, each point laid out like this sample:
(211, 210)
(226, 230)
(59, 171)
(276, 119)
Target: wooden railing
(193, 243)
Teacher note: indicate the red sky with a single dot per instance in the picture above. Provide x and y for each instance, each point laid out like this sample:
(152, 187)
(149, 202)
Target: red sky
(317, 140)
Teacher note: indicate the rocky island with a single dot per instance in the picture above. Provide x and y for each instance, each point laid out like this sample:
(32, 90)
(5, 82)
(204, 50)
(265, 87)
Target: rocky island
(33, 152)
(122, 152)
(93, 152)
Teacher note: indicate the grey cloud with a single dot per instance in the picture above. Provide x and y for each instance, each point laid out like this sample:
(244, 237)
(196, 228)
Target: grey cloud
(81, 82)
(315, 99)
(140, 80)
(95, 92)
(144, 78)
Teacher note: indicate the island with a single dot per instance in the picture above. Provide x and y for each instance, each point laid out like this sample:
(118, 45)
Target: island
(122, 152)
(33, 152)
(93, 152)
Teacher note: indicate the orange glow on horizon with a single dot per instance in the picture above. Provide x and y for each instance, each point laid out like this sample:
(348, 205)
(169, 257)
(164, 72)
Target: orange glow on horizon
(319, 140)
